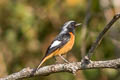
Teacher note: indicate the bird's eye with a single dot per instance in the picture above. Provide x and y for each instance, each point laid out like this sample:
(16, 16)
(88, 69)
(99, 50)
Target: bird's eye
(73, 23)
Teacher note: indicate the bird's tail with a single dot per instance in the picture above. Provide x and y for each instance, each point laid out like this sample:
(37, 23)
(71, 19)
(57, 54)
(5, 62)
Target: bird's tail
(41, 62)
(44, 59)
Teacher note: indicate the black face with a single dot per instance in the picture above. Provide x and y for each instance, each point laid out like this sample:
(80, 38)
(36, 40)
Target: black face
(73, 24)
(69, 26)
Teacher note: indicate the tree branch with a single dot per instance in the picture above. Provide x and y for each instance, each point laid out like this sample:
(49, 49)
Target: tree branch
(71, 67)
(100, 37)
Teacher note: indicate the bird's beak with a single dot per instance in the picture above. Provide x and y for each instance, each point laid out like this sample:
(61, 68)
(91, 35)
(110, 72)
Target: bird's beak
(78, 24)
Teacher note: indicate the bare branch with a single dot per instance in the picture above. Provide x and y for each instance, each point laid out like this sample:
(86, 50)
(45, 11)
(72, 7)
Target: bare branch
(71, 67)
(100, 37)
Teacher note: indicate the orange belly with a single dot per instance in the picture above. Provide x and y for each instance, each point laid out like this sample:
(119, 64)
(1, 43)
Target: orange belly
(67, 47)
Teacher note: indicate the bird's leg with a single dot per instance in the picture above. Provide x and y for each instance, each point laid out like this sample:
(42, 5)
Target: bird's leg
(63, 58)
(56, 60)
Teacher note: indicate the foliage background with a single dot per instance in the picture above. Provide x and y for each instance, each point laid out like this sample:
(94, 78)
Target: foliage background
(28, 26)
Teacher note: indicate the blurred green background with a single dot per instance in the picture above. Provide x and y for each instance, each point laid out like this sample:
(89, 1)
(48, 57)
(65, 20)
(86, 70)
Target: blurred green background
(28, 26)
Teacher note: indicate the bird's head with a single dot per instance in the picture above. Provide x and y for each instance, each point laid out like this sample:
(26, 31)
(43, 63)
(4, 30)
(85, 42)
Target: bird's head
(70, 26)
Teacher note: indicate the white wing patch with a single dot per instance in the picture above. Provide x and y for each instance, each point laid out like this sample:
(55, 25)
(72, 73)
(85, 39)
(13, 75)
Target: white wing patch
(55, 43)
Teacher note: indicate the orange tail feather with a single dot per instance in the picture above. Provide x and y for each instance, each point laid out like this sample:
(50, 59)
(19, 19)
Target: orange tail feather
(41, 62)
(44, 59)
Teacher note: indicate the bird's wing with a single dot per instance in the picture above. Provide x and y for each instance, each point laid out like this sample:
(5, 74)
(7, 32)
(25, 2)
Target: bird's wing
(58, 43)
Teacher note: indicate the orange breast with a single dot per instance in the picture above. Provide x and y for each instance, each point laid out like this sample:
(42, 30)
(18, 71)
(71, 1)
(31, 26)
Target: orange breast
(68, 46)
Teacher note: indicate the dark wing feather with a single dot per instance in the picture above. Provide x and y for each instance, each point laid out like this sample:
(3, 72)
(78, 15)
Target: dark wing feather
(64, 38)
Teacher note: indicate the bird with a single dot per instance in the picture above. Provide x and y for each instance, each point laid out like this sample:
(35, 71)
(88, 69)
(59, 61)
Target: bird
(62, 43)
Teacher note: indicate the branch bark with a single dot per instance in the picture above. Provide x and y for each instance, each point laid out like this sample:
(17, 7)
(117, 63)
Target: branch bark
(71, 67)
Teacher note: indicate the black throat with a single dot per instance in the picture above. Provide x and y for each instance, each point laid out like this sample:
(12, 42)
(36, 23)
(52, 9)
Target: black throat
(71, 30)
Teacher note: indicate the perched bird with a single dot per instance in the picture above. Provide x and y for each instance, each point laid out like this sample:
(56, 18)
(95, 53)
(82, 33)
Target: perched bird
(62, 43)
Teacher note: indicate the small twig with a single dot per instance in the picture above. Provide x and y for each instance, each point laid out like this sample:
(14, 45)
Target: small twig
(100, 37)
(71, 67)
